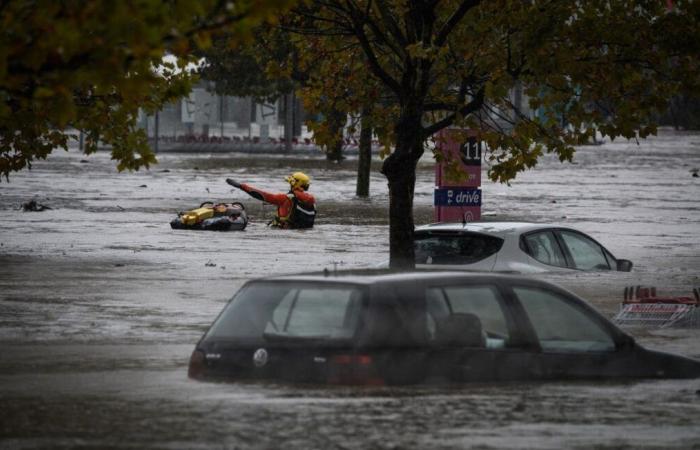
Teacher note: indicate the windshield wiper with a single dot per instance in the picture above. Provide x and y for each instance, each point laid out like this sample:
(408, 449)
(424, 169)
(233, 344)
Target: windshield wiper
(268, 336)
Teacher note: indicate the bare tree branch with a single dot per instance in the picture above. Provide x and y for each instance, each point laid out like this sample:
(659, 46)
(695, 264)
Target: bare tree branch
(398, 50)
(454, 20)
(474, 105)
(358, 18)
(390, 23)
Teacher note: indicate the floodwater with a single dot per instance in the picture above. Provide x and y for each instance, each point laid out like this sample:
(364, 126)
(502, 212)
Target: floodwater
(101, 304)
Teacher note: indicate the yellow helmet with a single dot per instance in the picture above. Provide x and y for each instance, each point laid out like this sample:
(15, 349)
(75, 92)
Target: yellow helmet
(298, 180)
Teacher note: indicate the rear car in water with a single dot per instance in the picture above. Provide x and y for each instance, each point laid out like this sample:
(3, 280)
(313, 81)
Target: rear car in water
(418, 327)
(518, 247)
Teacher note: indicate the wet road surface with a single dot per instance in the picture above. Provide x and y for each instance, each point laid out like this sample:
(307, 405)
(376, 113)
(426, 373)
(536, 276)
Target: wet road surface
(101, 304)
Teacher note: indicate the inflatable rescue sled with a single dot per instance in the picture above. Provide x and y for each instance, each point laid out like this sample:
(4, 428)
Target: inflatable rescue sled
(214, 217)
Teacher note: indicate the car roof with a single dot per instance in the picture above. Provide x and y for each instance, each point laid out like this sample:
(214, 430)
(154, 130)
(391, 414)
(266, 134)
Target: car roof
(389, 276)
(495, 228)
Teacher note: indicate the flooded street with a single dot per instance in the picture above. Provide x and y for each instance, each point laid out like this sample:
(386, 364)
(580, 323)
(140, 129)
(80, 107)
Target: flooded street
(101, 303)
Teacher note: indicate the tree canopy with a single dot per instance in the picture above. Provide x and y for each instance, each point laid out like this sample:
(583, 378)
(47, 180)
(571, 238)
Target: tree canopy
(91, 65)
(278, 62)
(242, 70)
(599, 65)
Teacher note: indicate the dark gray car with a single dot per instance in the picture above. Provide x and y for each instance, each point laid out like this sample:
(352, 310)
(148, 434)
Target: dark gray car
(418, 327)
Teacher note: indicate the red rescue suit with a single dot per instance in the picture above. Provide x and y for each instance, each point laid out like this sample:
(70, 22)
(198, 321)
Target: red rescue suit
(295, 209)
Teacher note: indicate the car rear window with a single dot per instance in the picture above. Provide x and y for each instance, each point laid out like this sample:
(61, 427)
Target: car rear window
(269, 311)
(454, 247)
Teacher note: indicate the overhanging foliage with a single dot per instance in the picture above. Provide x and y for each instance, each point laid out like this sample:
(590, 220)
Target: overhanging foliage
(90, 66)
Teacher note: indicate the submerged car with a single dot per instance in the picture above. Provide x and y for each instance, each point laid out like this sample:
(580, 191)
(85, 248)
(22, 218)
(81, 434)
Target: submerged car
(511, 247)
(418, 327)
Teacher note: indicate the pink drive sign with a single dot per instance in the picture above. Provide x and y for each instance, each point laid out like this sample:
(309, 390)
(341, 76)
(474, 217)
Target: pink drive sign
(457, 213)
(462, 150)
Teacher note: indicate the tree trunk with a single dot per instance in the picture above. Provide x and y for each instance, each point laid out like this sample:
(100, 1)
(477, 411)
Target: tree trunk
(400, 170)
(288, 122)
(336, 122)
(335, 152)
(401, 187)
(156, 133)
(365, 155)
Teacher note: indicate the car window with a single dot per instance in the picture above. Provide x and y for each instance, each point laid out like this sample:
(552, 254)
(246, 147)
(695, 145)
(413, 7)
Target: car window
(289, 310)
(455, 248)
(467, 316)
(314, 312)
(560, 326)
(586, 253)
(543, 246)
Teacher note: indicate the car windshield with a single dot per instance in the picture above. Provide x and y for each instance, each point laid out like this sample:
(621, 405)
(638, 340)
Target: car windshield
(279, 311)
(454, 247)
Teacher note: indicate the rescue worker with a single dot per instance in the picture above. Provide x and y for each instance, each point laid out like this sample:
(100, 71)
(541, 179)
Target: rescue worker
(295, 209)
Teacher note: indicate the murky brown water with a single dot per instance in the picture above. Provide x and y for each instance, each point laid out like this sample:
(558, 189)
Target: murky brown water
(101, 304)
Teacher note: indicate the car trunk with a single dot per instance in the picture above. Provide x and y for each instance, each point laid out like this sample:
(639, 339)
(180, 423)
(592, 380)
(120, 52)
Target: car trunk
(306, 363)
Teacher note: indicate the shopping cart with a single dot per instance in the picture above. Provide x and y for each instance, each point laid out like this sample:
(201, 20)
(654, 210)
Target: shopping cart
(642, 307)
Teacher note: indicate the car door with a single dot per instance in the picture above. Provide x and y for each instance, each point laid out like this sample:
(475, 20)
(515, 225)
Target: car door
(583, 252)
(544, 247)
(392, 334)
(472, 334)
(571, 340)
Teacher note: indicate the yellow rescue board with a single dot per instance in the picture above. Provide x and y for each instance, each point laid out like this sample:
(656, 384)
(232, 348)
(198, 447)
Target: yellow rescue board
(197, 215)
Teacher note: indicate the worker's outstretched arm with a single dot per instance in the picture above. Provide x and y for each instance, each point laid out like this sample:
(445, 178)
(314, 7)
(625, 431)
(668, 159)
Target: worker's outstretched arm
(258, 194)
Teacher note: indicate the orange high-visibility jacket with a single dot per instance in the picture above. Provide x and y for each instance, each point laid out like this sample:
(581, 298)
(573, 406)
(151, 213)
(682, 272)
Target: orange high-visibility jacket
(284, 202)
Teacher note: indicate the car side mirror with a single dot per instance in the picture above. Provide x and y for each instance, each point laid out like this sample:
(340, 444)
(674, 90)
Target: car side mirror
(624, 265)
